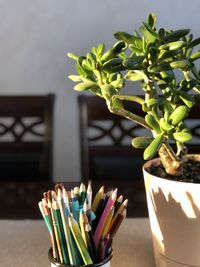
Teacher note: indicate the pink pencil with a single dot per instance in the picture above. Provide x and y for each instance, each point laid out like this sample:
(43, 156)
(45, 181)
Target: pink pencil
(99, 229)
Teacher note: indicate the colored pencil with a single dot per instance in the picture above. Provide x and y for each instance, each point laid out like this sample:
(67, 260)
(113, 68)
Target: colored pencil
(82, 194)
(72, 257)
(97, 198)
(79, 241)
(89, 195)
(117, 223)
(63, 243)
(108, 221)
(90, 242)
(120, 209)
(99, 229)
(68, 217)
(82, 225)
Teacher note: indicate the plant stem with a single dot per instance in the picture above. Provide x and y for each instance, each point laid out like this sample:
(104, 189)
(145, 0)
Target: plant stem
(134, 98)
(127, 114)
(171, 163)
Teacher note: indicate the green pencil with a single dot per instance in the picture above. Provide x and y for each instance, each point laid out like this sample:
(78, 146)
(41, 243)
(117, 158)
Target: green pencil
(63, 244)
(79, 241)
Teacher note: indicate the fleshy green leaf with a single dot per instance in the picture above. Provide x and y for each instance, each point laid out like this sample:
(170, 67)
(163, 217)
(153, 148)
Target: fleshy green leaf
(75, 78)
(151, 121)
(175, 35)
(152, 20)
(113, 65)
(72, 56)
(141, 141)
(172, 45)
(152, 149)
(126, 37)
(182, 137)
(85, 85)
(178, 114)
(134, 63)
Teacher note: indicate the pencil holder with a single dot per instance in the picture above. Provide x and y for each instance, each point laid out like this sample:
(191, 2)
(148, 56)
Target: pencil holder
(104, 263)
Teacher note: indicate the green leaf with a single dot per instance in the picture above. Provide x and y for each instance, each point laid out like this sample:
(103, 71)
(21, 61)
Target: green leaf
(178, 114)
(88, 64)
(72, 56)
(134, 63)
(135, 76)
(172, 45)
(75, 78)
(87, 84)
(152, 149)
(113, 65)
(152, 101)
(152, 20)
(151, 121)
(161, 33)
(165, 125)
(141, 141)
(149, 34)
(168, 54)
(179, 64)
(194, 43)
(159, 68)
(187, 99)
(175, 35)
(182, 137)
(100, 49)
(80, 70)
(195, 56)
(114, 51)
(126, 37)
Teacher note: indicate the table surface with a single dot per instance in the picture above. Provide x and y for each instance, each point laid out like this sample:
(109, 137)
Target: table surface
(25, 243)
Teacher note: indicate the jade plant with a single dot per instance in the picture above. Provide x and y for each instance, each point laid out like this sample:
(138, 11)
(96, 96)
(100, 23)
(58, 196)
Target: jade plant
(164, 62)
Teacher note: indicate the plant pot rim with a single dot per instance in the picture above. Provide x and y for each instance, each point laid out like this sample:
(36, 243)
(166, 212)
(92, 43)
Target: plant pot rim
(156, 161)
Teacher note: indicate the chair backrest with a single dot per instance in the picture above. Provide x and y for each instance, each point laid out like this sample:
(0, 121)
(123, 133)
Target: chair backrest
(105, 140)
(26, 134)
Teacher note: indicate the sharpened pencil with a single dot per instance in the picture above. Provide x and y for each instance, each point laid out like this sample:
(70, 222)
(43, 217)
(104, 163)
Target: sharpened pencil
(71, 222)
(97, 198)
(99, 229)
(79, 241)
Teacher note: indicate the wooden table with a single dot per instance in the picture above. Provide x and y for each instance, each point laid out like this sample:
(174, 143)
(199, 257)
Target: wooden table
(19, 200)
(24, 243)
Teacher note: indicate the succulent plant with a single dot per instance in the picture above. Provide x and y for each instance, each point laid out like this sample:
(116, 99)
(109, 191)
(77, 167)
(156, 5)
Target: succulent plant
(164, 63)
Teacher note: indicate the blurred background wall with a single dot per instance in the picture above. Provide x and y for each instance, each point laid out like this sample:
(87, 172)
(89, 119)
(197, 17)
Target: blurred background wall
(36, 35)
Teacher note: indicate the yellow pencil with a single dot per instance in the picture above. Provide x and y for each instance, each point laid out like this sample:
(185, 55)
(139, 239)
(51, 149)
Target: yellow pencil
(97, 198)
(108, 221)
(79, 241)
(82, 226)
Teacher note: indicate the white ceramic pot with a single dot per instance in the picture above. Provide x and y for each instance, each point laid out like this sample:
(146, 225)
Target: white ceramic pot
(174, 213)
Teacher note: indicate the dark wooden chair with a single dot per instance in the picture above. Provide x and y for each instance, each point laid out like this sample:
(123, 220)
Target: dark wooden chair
(105, 140)
(26, 134)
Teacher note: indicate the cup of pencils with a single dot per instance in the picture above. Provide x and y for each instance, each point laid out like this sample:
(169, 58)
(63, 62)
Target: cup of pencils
(81, 227)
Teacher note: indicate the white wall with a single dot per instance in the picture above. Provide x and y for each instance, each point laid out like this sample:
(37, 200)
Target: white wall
(35, 36)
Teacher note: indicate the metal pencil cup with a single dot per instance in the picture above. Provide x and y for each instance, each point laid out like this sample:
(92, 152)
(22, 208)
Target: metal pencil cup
(104, 263)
